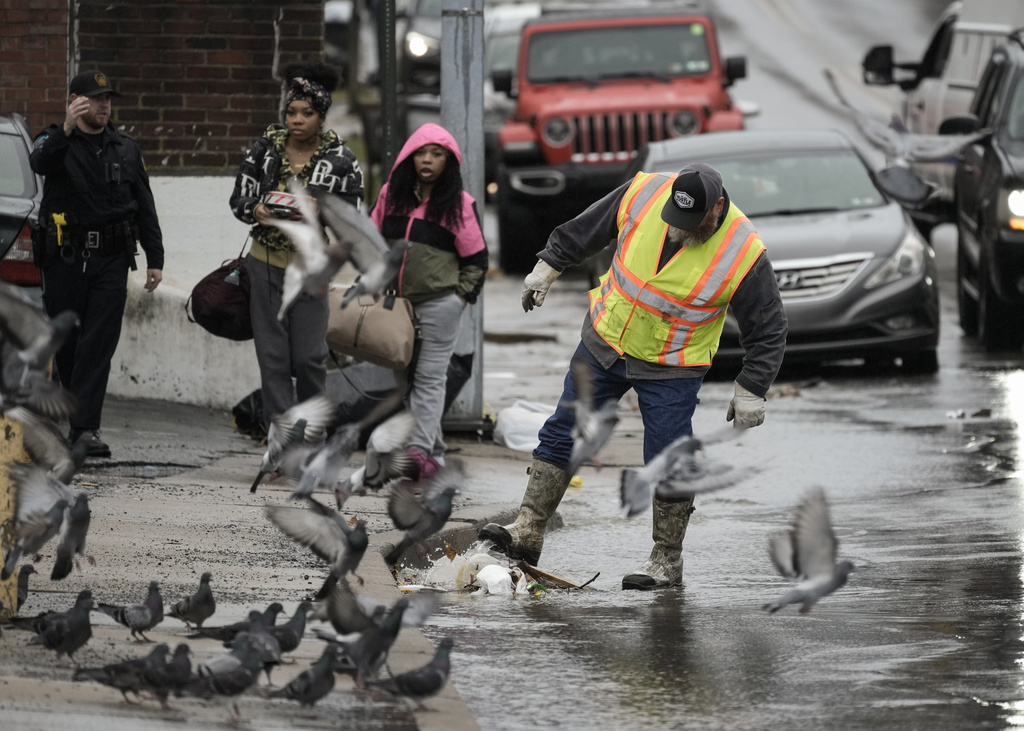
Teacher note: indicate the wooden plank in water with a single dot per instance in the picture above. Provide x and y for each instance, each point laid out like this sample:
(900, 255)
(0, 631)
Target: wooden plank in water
(549, 580)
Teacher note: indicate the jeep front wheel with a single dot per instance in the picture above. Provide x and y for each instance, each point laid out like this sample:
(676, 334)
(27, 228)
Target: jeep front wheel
(520, 235)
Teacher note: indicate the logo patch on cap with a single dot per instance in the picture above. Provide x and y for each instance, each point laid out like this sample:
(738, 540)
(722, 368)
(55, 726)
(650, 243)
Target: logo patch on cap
(100, 79)
(682, 199)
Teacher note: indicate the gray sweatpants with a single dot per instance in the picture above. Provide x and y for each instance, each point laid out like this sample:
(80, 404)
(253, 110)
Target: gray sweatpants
(439, 325)
(295, 347)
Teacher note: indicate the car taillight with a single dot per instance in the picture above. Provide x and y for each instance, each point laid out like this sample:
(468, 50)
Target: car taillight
(17, 267)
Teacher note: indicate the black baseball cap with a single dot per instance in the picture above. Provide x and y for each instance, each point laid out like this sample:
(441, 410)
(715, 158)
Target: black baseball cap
(695, 191)
(91, 83)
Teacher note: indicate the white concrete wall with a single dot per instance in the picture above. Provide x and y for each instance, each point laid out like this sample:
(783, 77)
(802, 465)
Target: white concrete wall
(161, 354)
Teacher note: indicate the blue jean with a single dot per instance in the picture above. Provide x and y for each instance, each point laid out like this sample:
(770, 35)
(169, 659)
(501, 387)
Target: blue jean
(666, 407)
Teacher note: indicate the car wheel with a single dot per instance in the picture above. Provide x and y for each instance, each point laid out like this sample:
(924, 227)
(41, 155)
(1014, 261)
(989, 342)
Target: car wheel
(967, 305)
(923, 362)
(520, 236)
(1000, 326)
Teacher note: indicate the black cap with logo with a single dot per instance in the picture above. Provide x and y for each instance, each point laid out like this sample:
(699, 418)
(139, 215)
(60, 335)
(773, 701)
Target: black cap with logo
(695, 191)
(91, 83)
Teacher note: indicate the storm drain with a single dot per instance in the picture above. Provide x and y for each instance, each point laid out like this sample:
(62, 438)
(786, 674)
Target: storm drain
(140, 470)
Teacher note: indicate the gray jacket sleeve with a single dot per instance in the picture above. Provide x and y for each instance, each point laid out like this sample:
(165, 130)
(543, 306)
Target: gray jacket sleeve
(580, 238)
(757, 306)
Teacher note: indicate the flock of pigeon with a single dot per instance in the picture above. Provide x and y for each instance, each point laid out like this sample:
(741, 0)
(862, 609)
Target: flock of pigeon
(47, 508)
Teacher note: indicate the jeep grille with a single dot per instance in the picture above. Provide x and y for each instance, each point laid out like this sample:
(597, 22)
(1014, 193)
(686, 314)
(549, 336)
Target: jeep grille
(806, 278)
(617, 137)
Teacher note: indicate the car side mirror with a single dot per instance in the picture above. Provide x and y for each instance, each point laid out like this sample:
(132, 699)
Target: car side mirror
(502, 80)
(735, 68)
(878, 66)
(962, 124)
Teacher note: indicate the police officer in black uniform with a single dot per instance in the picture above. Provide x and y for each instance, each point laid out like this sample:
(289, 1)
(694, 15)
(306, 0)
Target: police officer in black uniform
(97, 208)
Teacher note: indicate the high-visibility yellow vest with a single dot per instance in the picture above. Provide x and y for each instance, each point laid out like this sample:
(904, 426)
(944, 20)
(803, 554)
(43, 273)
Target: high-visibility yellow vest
(674, 316)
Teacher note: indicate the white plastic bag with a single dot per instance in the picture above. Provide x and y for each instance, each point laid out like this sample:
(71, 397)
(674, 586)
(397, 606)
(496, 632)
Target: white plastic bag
(517, 426)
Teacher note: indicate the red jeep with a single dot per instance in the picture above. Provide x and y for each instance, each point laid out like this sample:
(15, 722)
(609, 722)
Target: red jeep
(592, 88)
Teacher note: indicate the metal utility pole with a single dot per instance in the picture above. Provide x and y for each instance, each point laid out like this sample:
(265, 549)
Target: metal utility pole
(462, 114)
(388, 86)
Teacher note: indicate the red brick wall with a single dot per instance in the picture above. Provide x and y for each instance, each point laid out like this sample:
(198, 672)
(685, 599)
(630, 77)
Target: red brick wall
(197, 76)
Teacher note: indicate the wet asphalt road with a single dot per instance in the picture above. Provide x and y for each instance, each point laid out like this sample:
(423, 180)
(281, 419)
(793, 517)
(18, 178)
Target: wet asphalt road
(923, 476)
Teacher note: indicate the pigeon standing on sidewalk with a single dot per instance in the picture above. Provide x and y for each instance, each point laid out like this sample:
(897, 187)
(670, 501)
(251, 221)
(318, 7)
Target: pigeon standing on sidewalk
(197, 608)
(71, 538)
(39, 505)
(422, 517)
(162, 680)
(139, 618)
(368, 653)
(227, 633)
(422, 682)
(289, 634)
(227, 675)
(125, 676)
(807, 554)
(64, 632)
(311, 684)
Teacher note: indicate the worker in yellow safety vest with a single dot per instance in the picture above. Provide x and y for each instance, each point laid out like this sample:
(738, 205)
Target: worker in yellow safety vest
(684, 255)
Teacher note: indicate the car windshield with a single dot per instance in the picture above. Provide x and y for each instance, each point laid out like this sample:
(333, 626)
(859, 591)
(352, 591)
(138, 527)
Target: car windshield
(791, 183)
(605, 53)
(15, 176)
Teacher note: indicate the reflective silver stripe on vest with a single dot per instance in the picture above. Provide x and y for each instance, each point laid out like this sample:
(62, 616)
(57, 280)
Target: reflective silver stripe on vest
(734, 249)
(652, 299)
(643, 197)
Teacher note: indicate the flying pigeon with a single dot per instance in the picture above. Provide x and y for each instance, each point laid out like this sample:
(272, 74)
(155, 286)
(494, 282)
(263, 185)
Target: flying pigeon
(369, 651)
(423, 682)
(352, 614)
(386, 458)
(682, 469)
(421, 517)
(71, 538)
(125, 676)
(197, 608)
(807, 555)
(287, 432)
(36, 336)
(593, 426)
(65, 632)
(39, 505)
(46, 446)
(326, 533)
(312, 684)
(376, 277)
(902, 147)
(324, 466)
(316, 259)
(139, 618)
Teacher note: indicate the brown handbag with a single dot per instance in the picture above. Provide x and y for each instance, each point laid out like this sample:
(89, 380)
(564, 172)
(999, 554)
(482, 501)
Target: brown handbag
(380, 329)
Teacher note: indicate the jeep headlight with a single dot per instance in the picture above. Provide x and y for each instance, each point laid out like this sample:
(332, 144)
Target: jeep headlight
(1011, 208)
(908, 261)
(420, 45)
(685, 124)
(557, 131)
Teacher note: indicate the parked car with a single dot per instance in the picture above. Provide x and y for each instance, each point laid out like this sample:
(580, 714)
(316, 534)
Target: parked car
(942, 83)
(21, 191)
(592, 87)
(856, 277)
(989, 187)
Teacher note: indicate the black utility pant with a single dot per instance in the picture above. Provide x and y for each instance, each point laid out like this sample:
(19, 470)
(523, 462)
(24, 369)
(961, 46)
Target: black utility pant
(96, 288)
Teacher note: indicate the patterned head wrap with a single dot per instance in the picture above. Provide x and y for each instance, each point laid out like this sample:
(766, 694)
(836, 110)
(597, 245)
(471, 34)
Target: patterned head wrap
(305, 90)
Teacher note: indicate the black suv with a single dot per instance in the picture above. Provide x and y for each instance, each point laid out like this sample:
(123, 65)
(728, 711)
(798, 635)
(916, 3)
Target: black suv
(989, 194)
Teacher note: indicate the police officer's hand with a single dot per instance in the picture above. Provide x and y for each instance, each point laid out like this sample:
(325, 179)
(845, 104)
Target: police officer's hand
(153, 279)
(746, 408)
(78, 106)
(537, 284)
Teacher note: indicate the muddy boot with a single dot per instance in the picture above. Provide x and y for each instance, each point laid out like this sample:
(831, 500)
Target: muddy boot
(665, 565)
(524, 538)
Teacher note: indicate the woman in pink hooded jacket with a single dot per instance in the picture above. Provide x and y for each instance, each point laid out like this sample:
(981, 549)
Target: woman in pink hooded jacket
(444, 268)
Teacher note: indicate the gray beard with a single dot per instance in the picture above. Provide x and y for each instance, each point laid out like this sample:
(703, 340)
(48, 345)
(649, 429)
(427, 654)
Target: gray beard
(685, 239)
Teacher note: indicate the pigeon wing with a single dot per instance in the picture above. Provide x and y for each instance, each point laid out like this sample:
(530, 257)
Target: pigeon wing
(815, 544)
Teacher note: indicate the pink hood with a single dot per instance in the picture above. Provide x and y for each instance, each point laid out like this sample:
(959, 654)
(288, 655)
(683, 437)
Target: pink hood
(428, 134)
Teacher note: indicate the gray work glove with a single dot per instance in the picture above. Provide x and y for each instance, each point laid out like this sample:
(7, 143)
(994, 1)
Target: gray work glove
(537, 284)
(746, 408)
